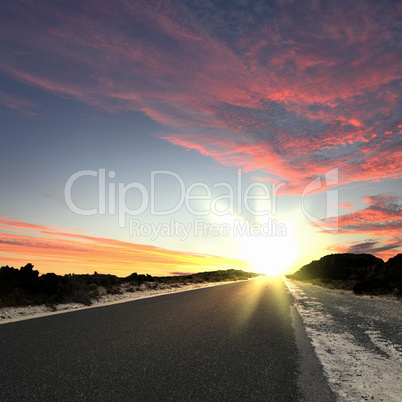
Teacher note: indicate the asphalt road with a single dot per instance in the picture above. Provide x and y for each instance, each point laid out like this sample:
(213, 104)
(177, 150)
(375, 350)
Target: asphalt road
(232, 342)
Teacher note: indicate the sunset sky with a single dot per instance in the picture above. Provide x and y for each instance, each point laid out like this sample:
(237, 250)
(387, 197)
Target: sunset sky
(283, 117)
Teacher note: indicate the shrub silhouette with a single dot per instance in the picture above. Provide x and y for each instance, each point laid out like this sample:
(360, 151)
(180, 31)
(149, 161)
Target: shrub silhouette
(24, 286)
(82, 296)
(340, 267)
(365, 273)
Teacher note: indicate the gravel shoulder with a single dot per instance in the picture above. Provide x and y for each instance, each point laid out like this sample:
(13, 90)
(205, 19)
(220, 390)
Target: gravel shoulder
(358, 340)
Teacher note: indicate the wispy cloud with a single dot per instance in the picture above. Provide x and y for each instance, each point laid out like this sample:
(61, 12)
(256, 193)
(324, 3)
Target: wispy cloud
(347, 206)
(371, 246)
(381, 219)
(67, 250)
(23, 106)
(291, 90)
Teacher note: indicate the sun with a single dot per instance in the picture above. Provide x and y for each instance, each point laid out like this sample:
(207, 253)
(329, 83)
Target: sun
(269, 255)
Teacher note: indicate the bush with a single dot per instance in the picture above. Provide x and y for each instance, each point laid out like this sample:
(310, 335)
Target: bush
(364, 273)
(82, 296)
(24, 286)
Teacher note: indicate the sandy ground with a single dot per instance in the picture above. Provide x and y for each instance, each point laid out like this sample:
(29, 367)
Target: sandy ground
(357, 340)
(12, 314)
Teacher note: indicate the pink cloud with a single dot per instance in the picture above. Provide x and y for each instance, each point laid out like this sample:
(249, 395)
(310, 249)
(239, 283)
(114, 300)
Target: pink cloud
(347, 206)
(381, 219)
(23, 106)
(292, 97)
(18, 225)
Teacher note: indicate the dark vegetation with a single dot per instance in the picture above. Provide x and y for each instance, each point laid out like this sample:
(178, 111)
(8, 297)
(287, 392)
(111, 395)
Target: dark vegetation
(362, 273)
(24, 286)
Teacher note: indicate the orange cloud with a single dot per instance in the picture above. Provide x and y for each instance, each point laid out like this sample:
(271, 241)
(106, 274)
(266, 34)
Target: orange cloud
(66, 251)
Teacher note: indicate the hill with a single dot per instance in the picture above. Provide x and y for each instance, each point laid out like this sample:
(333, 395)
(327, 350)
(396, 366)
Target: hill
(364, 273)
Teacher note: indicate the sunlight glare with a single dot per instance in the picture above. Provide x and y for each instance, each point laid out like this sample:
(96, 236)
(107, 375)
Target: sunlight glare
(270, 256)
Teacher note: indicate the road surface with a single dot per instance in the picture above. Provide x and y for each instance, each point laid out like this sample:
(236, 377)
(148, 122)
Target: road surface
(233, 342)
